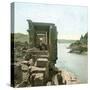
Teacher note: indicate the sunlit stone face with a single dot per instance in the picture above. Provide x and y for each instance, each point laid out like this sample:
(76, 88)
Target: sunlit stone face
(41, 39)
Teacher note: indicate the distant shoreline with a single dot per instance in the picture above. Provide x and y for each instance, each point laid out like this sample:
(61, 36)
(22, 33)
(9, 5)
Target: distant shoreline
(24, 37)
(80, 46)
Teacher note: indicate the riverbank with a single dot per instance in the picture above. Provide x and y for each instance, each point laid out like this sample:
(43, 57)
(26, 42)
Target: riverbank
(73, 62)
(78, 52)
(69, 77)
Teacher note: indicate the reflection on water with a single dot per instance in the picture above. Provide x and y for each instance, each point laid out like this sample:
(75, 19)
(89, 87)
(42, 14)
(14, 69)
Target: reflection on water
(76, 63)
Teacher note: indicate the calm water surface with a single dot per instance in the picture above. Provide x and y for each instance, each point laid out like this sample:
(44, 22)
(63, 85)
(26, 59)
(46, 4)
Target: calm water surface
(75, 63)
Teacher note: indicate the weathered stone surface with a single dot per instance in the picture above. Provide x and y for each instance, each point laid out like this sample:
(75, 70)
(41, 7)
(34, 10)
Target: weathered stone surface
(31, 62)
(69, 78)
(45, 71)
(17, 73)
(25, 67)
(25, 76)
(41, 62)
(49, 83)
(34, 69)
(44, 56)
(22, 84)
(39, 79)
(25, 71)
(60, 78)
(25, 62)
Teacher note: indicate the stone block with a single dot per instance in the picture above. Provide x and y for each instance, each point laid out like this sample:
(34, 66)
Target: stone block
(34, 69)
(39, 79)
(25, 76)
(24, 67)
(41, 62)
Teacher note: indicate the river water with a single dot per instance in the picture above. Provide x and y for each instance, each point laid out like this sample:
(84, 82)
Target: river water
(75, 63)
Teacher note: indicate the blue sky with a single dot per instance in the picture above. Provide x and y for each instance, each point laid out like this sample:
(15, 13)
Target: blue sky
(71, 21)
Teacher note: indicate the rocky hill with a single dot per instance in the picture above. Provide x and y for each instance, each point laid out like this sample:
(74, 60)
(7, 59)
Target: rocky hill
(21, 37)
(80, 46)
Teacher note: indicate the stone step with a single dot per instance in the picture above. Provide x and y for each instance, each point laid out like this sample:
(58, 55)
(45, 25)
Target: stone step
(41, 56)
(42, 62)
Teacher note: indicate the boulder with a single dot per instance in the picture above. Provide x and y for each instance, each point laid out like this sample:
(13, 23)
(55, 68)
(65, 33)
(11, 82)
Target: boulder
(45, 71)
(25, 67)
(25, 72)
(37, 79)
(31, 62)
(24, 62)
(25, 76)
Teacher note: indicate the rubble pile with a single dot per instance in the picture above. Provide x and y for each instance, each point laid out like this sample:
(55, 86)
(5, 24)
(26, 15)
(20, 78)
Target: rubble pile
(34, 70)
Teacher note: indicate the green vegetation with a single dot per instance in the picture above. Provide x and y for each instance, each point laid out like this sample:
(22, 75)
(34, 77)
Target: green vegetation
(80, 46)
